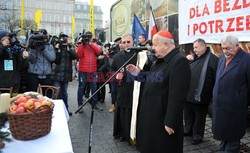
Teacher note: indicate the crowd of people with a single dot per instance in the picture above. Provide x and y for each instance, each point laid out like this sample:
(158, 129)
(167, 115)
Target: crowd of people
(174, 94)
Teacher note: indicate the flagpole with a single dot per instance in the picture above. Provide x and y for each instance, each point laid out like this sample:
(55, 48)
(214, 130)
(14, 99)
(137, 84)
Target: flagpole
(73, 30)
(153, 17)
(22, 17)
(92, 24)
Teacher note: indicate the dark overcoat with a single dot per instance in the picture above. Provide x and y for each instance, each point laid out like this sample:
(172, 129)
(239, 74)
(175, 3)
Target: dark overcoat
(124, 88)
(230, 97)
(161, 103)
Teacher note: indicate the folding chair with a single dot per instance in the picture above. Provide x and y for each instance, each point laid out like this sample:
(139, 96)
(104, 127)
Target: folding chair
(49, 91)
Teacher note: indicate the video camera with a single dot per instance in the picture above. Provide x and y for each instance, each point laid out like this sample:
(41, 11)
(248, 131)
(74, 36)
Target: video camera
(114, 48)
(86, 37)
(38, 38)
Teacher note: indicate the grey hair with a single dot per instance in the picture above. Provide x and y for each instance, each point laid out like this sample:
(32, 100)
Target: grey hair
(230, 39)
(127, 35)
(200, 41)
(164, 39)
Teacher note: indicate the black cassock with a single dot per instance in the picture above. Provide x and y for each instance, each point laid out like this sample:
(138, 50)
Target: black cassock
(122, 116)
(161, 103)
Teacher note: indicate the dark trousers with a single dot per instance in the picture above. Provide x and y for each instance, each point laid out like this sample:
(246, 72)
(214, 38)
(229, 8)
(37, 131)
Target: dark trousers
(102, 92)
(33, 82)
(113, 92)
(230, 146)
(195, 119)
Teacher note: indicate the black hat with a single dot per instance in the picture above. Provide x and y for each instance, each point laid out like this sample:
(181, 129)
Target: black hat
(118, 39)
(3, 33)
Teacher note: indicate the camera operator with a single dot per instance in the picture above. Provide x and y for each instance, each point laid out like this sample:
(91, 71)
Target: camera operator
(87, 52)
(62, 67)
(41, 55)
(10, 59)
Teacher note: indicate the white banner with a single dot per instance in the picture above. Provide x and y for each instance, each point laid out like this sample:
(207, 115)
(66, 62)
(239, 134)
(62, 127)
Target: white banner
(212, 19)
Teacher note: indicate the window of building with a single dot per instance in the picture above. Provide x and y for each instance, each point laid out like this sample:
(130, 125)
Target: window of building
(67, 30)
(28, 16)
(56, 6)
(39, 5)
(67, 19)
(28, 4)
(56, 18)
(48, 6)
(67, 8)
(85, 7)
(78, 6)
(48, 17)
(48, 28)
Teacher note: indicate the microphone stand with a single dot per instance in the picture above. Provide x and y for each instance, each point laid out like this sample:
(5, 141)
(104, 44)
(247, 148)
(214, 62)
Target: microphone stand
(92, 104)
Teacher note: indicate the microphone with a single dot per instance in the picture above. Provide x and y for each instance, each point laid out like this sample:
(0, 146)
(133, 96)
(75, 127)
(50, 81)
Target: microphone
(139, 49)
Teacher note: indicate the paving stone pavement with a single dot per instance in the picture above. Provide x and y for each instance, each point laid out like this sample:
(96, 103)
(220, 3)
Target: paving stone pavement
(103, 141)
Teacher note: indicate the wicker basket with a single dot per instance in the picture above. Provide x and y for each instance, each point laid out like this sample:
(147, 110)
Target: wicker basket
(32, 125)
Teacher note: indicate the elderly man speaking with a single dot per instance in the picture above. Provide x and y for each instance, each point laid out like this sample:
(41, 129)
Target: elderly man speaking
(160, 111)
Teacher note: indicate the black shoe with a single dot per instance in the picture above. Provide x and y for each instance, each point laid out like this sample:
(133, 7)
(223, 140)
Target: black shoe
(122, 139)
(196, 142)
(98, 107)
(86, 95)
(187, 134)
(70, 113)
(81, 111)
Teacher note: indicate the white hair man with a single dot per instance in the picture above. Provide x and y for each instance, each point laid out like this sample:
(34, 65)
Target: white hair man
(160, 111)
(231, 95)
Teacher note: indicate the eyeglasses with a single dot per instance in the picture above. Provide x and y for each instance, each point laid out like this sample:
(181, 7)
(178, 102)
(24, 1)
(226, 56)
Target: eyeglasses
(124, 42)
(226, 48)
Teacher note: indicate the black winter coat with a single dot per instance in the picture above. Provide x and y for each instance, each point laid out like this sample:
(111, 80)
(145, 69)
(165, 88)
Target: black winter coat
(196, 68)
(124, 88)
(161, 103)
(10, 78)
(62, 66)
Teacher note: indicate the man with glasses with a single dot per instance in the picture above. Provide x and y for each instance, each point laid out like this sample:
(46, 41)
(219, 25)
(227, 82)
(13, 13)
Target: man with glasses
(231, 95)
(123, 110)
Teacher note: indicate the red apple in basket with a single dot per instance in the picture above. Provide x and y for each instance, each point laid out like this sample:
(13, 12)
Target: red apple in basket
(21, 99)
(21, 105)
(30, 104)
(13, 108)
(46, 102)
(40, 100)
(20, 110)
(37, 104)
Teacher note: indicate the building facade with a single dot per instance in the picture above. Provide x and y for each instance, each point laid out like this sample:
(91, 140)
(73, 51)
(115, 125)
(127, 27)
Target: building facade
(56, 14)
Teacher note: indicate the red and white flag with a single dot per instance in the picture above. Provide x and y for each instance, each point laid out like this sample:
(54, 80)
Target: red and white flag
(152, 28)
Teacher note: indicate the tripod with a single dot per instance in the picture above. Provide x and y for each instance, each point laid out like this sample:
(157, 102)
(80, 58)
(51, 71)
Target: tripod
(92, 104)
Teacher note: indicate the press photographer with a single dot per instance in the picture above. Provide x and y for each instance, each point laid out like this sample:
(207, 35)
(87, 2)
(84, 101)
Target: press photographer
(10, 59)
(40, 55)
(62, 67)
(87, 51)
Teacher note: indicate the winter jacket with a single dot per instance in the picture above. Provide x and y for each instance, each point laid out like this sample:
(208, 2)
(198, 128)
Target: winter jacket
(40, 60)
(87, 57)
(62, 68)
(10, 78)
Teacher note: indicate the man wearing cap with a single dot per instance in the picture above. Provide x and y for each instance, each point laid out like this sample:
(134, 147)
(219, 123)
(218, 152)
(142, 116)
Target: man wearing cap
(9, 63)
(160, 111)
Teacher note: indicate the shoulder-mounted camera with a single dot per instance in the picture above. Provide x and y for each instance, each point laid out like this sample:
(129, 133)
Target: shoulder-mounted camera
(86, 37)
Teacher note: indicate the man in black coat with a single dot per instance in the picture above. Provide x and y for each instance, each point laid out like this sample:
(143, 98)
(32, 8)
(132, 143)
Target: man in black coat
(160, 111)
(230, 95)
(123, 111)
(203, 72)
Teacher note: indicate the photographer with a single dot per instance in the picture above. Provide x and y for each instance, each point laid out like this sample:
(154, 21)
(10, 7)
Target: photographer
(10, 59)
(41, 55)
(62, 67)
(87, 52)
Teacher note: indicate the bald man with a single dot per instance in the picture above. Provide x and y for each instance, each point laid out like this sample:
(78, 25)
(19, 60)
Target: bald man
(160, 111)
